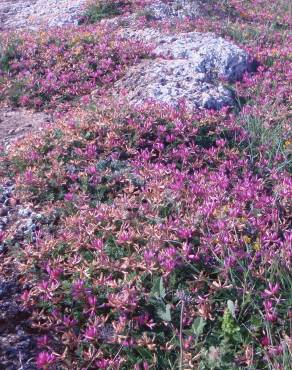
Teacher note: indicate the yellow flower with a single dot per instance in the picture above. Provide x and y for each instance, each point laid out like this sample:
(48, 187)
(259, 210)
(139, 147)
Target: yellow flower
(287, 143)
(257, 245)
(246, 239)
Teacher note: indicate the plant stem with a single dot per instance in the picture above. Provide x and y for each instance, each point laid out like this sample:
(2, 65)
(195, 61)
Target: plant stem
(181, 357)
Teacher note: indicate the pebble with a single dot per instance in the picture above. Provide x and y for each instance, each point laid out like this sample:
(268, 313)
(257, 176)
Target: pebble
(24, 212)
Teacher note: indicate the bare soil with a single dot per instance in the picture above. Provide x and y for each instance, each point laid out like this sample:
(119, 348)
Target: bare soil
(14, 123)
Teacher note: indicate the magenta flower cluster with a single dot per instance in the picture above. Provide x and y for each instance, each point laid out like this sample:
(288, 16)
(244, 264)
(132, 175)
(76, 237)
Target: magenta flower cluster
(54, 70)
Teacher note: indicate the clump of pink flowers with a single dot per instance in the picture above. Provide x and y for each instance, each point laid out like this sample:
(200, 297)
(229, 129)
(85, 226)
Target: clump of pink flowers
(52, 70)
(45, 360)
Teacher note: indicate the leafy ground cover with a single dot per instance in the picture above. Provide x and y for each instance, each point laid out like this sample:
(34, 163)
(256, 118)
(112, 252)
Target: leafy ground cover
(50, 70)
(98, 10)
(165, 240)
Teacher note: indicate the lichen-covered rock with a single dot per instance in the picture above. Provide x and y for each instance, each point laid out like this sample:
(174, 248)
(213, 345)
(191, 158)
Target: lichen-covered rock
(170, 81)
(165, 10)
(186, 66)
(33, 14)
(17, 345)
(208, 53)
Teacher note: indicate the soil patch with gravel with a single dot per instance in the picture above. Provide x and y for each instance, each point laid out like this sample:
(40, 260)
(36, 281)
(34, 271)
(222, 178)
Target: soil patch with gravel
(17, 337)
(14, 123)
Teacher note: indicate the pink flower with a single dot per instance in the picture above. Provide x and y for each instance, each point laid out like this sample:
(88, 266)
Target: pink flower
(2, 235)
(68, 322)
(55, 274)
(85, 99)
(92, 300)
(78, 288)
(25, 296)
(28, 177)
(24, 100)
(276, 350)
(91, 333)
(124, 237)
(265, 341)
(37, 102)
(272, 291)
(184, 233)
(43, 341)
(91, 170)
(98, 244)
(220, 143)
(270, 311)
(69, 197)
(103, 364)
(44, 359)
(91, 151)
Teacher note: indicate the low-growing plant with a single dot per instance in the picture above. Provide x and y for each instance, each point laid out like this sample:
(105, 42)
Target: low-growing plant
(168, 235)
(49, 71)
(8, 52)
(271, 137)
(99, 9)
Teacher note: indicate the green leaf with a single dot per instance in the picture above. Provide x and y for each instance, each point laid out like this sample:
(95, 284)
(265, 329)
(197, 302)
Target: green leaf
(229, 325)
(164, 312)
(155, 288)
(231, 308)
(58, 134)
(198, 326)
(256, 321)
(113, 250)
(162, 292)
(158, 289)
(144, 353)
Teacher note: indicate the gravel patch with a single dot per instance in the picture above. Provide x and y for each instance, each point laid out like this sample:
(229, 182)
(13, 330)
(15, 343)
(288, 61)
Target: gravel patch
(15, 123)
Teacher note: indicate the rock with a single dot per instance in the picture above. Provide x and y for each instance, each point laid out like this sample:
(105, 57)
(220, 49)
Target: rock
(170, 81)
(3, 211)
(180, 9)
(24, 212)
(17, 346)
(35, 14)
(4, 220)
(186, 66)
(7, 288)
(208, 53)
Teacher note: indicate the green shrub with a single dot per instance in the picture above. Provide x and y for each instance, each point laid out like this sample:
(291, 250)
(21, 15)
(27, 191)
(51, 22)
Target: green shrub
(8, 53)
(101, 9)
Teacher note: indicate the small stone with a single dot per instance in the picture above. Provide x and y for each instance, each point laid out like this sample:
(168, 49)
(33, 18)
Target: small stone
(4, 220)
(12, 202)
(3, 211)
(24, 212)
